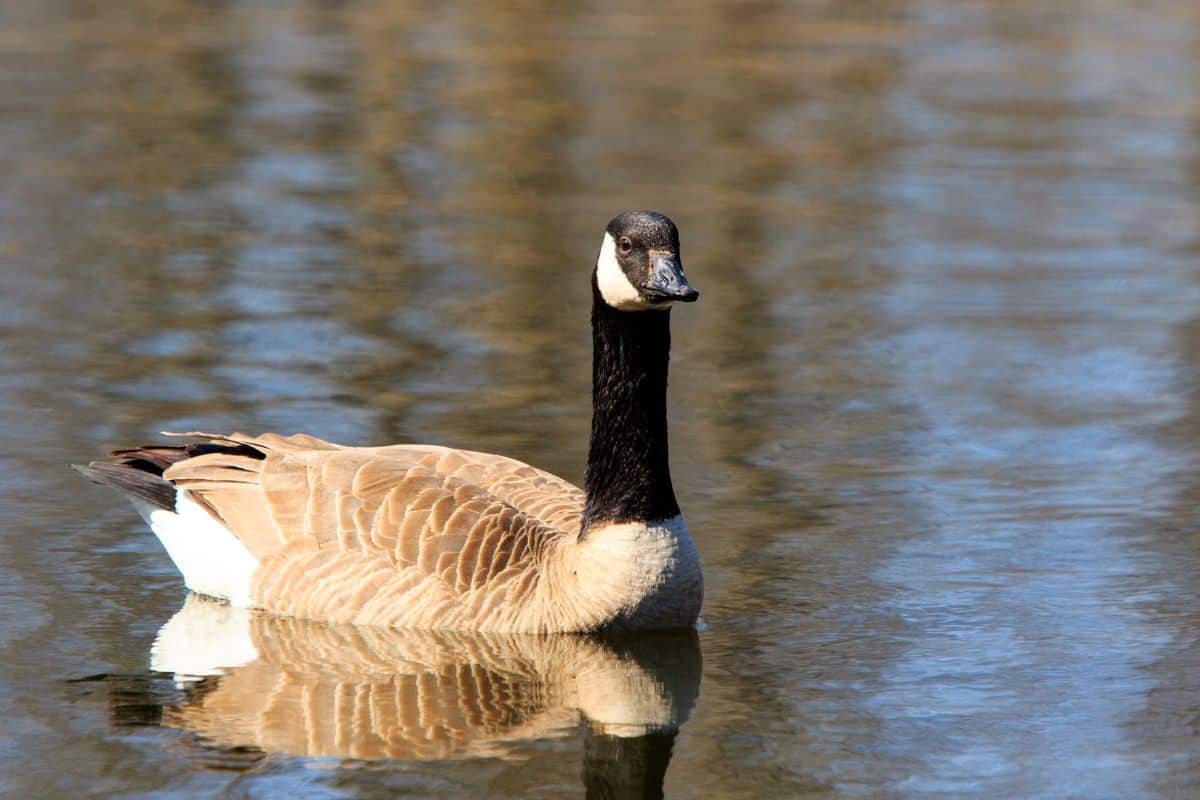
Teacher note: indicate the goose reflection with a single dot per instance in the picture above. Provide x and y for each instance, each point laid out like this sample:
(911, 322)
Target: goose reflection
(282, 685)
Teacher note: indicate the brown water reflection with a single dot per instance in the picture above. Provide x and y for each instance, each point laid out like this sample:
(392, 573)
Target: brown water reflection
(246, 687)
(932, 423)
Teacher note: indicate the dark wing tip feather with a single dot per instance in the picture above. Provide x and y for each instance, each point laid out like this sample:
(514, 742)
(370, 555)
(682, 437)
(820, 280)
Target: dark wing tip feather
(137, 471)
(130, 480)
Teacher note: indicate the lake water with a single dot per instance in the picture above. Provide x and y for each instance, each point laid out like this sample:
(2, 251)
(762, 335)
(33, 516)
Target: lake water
(935, 420)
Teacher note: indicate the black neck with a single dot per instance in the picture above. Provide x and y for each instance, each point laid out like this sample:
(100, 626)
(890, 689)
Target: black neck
(628, 478)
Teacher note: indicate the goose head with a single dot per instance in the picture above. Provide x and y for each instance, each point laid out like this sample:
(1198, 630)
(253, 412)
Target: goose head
(639, 268)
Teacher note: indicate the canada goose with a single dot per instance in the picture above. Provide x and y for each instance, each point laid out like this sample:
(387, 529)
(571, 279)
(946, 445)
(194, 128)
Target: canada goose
(424, 536)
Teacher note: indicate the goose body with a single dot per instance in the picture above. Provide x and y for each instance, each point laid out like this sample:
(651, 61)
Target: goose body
(431, 537)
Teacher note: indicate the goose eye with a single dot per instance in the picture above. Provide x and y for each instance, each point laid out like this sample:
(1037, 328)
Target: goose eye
(625, 245)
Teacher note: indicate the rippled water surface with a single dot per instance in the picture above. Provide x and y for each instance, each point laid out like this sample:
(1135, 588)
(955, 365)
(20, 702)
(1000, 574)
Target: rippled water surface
(934, 420)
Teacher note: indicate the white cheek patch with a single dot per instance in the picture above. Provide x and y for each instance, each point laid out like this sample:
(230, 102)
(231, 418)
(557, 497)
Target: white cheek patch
(615, 287)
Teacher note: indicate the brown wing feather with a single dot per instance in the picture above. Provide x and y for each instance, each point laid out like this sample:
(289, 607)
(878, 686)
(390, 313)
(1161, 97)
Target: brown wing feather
(400, 535)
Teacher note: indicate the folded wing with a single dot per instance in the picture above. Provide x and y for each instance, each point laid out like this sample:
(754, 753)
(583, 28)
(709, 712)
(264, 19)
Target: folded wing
(403, 535)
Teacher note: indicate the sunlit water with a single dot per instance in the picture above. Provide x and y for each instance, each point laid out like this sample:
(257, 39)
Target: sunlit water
(934, 419)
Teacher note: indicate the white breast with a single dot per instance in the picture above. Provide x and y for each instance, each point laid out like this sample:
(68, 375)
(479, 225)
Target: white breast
(643, 570)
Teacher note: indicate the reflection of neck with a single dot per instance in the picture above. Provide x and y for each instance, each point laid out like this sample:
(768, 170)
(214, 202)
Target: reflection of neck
(617, 766)
(628, 477)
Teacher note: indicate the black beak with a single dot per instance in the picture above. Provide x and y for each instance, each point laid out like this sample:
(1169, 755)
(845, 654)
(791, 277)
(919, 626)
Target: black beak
(667, 281)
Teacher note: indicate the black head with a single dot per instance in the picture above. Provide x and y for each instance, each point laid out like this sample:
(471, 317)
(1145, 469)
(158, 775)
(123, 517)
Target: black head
(639, 266)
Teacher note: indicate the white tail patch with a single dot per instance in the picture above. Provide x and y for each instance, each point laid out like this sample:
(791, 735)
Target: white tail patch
(211, 558)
